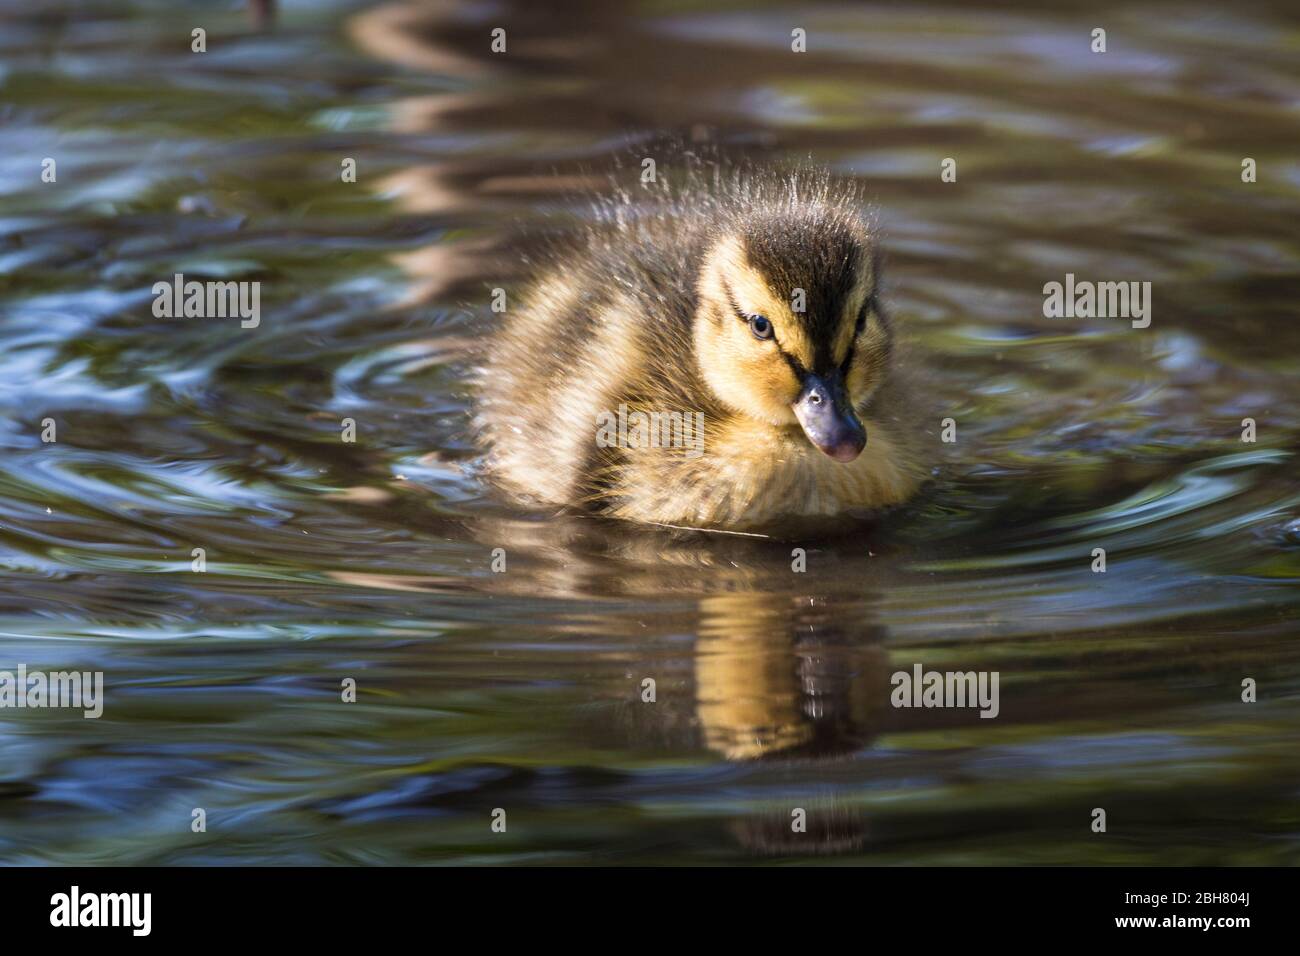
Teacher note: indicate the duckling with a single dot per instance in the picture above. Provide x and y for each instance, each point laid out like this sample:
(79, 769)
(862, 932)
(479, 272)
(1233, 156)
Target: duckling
(709, 355)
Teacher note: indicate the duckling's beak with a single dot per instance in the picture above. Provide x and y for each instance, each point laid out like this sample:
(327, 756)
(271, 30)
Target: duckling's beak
(827, 417)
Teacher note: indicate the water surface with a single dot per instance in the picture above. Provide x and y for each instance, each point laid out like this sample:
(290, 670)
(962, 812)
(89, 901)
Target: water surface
(521, 690)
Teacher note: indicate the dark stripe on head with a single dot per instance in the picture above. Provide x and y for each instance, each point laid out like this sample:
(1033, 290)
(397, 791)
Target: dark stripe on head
(819, 251)
(795, 365)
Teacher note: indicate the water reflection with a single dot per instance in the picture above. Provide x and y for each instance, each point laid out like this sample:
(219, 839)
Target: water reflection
(775, 676)
(523, 689)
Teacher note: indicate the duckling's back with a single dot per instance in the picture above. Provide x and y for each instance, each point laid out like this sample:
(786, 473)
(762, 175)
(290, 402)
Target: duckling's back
(605, 321)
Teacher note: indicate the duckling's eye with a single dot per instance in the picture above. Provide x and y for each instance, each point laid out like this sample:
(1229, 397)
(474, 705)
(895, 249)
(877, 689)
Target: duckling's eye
(760, 326)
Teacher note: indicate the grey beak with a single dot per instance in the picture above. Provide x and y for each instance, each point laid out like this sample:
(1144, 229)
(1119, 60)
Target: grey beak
(828, 419)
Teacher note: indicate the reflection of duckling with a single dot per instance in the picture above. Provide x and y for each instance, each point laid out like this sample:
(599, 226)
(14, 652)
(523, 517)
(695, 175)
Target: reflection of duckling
(748, 306)
(772, 678)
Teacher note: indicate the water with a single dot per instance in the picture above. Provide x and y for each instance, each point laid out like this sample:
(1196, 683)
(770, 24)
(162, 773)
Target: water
(522, 691)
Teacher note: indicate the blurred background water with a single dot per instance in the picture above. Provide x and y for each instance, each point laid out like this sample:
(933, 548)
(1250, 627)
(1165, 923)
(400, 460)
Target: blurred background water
(522, 690)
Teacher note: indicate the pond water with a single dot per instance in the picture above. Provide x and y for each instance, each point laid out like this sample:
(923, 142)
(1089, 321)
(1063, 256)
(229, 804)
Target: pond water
(372, 560)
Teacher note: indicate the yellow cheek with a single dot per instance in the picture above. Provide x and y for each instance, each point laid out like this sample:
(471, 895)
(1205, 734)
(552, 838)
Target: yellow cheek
(752, 377)
(845, 338)
(770, 378)
(868, 367)
(763, 375)
(858, 379)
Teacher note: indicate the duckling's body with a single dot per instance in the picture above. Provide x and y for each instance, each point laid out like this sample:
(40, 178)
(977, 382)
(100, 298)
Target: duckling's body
(688, 307)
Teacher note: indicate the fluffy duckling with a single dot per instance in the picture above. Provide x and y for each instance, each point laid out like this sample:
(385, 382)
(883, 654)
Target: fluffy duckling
(713, 355)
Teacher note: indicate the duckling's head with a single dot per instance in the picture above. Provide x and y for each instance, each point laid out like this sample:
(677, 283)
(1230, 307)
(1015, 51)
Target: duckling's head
(788, 328)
